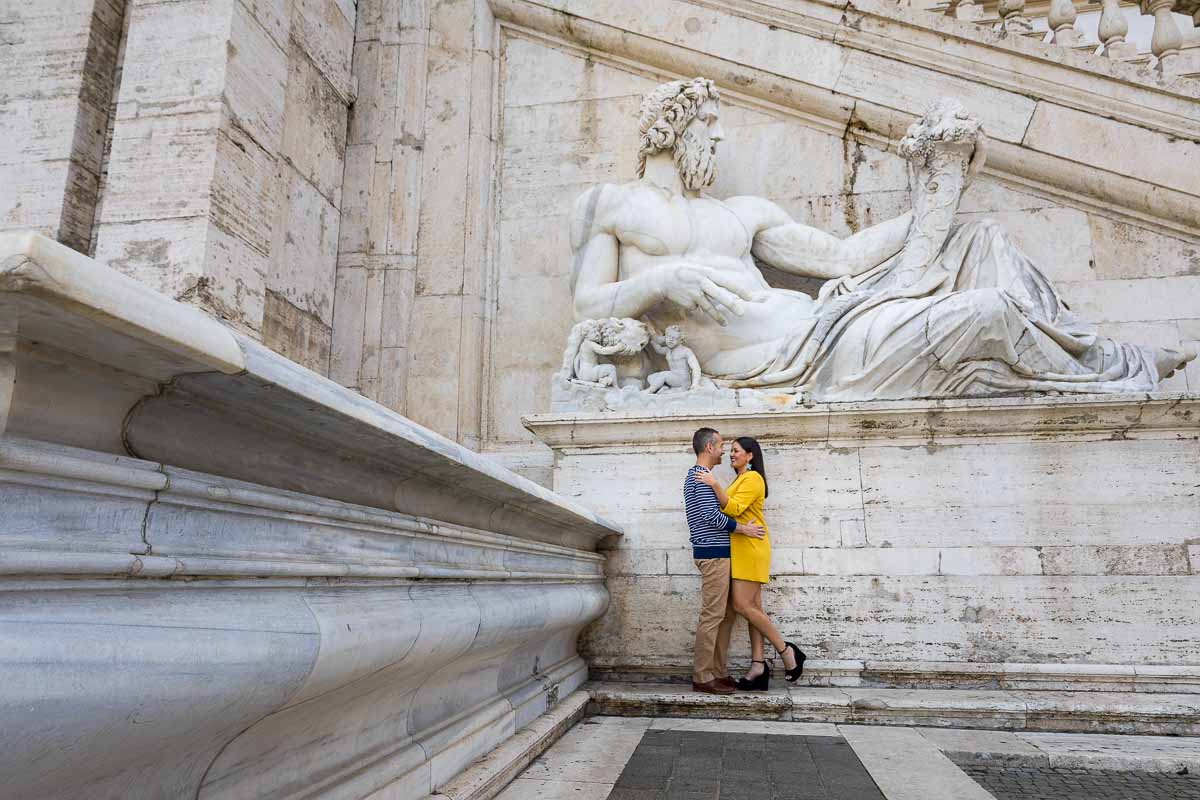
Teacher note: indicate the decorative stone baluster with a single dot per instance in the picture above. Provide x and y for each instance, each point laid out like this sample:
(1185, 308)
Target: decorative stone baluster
(1167, 39)
(1062, 22)
(968, 10)
(1112, 30)
(1012, 17)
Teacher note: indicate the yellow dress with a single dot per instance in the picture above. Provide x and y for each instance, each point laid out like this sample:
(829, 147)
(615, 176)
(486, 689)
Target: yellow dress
(750, 558)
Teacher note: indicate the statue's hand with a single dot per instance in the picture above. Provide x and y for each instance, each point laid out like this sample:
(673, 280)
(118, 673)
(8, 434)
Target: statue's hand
(700, 288)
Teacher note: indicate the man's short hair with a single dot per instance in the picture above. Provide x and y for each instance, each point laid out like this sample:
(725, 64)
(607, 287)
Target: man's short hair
(703, 438)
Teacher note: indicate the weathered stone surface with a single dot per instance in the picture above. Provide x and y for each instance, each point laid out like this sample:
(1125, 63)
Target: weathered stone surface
(272, 679)
(59, 64)
(1124, 251)
(295, 334)
(304, 250)
(1104, 712)
(883, 81)
(314, 135)
(972, 541)
(1108, 144)
(325, 30)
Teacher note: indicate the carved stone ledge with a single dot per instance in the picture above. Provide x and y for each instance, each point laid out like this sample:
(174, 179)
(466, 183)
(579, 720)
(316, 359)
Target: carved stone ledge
(100, 361)
(1172, 415)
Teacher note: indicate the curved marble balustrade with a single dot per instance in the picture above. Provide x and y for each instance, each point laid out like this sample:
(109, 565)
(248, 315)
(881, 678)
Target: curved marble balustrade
(289, 592)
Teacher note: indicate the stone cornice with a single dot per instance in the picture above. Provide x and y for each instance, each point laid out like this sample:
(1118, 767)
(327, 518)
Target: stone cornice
(899, 422)
(93, 359)
(1042, 73)
(331, 539)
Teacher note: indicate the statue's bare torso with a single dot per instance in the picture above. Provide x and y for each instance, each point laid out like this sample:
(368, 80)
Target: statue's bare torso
(657, 230)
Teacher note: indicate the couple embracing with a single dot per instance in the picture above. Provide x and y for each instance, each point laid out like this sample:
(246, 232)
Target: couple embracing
(732, 551)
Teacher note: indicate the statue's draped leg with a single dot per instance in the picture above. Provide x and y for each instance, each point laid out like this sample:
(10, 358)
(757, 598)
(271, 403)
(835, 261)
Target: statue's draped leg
(983, 320)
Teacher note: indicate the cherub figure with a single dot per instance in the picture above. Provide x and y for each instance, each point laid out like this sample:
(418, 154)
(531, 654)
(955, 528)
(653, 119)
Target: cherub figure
(587, 366)
(683, 368)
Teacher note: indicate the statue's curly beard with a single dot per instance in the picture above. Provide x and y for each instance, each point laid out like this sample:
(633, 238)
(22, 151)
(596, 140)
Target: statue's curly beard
(696, 160)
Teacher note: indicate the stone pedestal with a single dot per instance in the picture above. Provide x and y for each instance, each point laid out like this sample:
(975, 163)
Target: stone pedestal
(1013, 542)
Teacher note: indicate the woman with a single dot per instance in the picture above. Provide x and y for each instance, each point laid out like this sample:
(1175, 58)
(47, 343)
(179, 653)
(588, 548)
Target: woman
(750, 561)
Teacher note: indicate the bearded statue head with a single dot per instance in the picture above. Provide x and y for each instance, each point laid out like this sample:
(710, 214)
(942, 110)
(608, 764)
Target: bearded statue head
(681, 116)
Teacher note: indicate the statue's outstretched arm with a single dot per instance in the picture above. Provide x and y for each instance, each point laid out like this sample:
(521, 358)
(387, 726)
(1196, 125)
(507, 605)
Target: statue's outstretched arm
(803, 250)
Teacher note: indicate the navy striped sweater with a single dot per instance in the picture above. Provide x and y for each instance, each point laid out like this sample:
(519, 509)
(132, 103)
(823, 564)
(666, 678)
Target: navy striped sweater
(709, 528)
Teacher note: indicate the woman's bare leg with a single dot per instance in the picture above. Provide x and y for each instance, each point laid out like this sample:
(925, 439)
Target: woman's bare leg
(756, 643)
(743, 593)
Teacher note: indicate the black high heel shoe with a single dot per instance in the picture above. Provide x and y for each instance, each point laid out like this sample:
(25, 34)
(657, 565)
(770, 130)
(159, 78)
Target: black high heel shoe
(760, 682)
(790, 675)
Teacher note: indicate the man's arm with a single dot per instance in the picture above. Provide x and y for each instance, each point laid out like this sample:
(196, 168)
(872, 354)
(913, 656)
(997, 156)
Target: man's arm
(799, 249)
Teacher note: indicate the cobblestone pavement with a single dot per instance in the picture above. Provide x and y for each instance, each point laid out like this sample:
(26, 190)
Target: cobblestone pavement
(695, 765)
(1051, 783)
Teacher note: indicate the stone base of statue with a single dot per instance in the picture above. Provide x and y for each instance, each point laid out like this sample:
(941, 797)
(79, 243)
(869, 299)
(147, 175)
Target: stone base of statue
(569, 395)
(1017, 542)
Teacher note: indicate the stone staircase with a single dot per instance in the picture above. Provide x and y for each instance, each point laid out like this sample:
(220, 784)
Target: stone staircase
(1092, 698)
(1173, 714)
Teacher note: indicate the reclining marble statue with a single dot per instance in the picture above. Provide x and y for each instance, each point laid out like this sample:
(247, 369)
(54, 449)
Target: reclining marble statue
(915, 307)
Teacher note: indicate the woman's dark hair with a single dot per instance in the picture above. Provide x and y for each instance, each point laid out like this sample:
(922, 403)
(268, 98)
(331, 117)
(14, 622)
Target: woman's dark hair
(750, 445)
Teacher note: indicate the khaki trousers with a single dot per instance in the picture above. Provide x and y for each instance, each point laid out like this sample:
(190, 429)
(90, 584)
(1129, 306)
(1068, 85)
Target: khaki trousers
(716, 620)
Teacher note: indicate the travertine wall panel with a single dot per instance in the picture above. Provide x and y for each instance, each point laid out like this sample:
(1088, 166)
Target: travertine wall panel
(1119, 147)
(418, 178)
(1006, 542)
(314, 135)
(239, 108)
(1127, 251)
(888, 83)
(295, 334)
(305, 231)
(57, 68)
(651, 620)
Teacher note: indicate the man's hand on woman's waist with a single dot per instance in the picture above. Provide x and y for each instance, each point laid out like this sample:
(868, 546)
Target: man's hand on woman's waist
(750, 529)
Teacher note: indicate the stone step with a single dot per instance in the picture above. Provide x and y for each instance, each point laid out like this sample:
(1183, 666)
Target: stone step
(1155, 678)
(1062, 711)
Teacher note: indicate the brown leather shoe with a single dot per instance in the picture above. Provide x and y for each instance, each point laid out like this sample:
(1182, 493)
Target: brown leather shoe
(712, 687)
(726, 681)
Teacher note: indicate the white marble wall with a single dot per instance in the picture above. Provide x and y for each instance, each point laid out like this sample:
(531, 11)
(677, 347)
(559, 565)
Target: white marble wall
(1008, 532)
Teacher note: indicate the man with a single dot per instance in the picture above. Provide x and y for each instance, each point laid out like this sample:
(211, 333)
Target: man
(710, 531)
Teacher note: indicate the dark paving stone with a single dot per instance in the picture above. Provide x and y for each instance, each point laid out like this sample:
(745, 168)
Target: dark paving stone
(636, 794)
(1049, 783)
(702, 765)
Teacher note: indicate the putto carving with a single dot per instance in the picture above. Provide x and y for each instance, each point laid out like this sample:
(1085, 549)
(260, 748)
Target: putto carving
(592, 339)
(683, 370)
